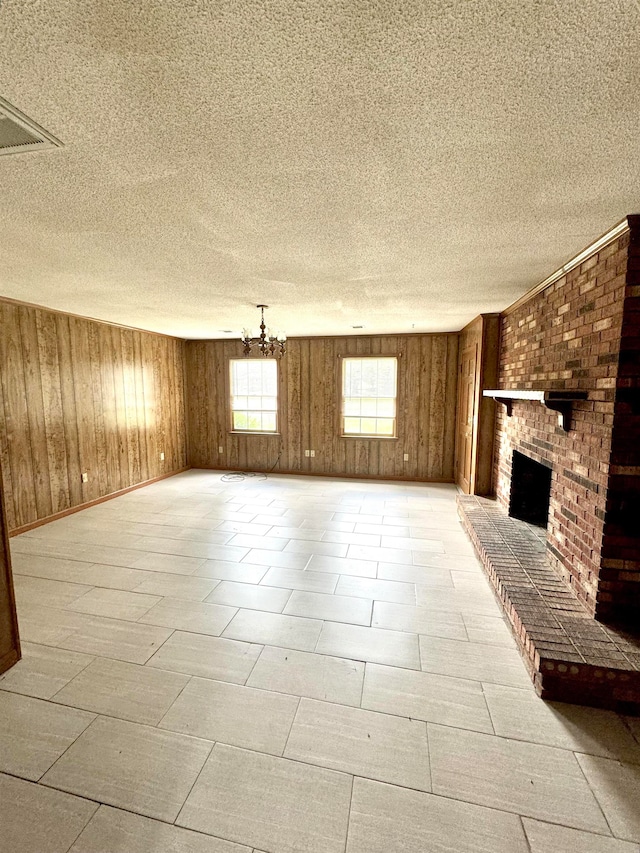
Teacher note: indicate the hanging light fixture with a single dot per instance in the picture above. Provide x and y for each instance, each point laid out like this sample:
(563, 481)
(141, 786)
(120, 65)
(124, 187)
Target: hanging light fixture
(267, 342)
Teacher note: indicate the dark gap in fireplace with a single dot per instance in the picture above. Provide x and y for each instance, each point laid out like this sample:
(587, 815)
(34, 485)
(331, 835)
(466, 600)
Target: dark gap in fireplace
(530, 490)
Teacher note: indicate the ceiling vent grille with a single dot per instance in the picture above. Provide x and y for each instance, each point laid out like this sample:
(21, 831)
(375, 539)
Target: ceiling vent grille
(18, 133)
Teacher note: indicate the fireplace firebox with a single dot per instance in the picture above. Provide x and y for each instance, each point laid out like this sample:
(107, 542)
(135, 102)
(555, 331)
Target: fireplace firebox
(530, 490)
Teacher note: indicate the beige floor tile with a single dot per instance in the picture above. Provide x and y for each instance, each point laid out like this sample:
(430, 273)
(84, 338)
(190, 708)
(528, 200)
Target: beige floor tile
(52, 593)
(379, 590)
(434, 546)
(343, 566)
(423, 696)
(307, 546)
(124, 690)
(185, 587)
(287, 533)
(188, 548)
(194, 616)
(335, 608)
(633, 724)
(45, 625)
(387, 819)
(307, 674)
(43, 670)
(306, 580)
(282, 559)
(531, 780)
(130, 766)
(380, 555)
(415, 574)
(522, 715)
(418, 620)
(274, 629)
(110, 577)
(358, 517)
(34, 819)
(437, 598)
(114, 603)
(116, 831)
(369, 644)
(35, 733)
(225, 571)
(170, 563)
(251, 596)
(114, 638)
(239, 793)
(489, 630)
(617, 789)
(474, 661)
(233, 714)
(364, 743)
(266, 543)
(352, 538)
(247, 527)
(51, 568)
(208, 657)
(549, 838)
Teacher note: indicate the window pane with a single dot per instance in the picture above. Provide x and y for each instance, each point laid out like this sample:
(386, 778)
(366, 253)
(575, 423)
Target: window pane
(368, 426)
(254, 394)
(369, 406)
(268, 422)
(239, 420)
(369, 391)
(385, 426)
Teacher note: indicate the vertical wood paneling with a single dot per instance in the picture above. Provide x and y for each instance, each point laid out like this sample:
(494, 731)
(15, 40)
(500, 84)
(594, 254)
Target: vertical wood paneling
(79, 396)
(9, 639)
(310, 378)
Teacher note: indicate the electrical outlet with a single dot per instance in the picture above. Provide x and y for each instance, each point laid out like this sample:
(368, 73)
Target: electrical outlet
(162, 456)
(307, 453)
(406, 457)
(85, 477)
(312, 452)
(220, 449)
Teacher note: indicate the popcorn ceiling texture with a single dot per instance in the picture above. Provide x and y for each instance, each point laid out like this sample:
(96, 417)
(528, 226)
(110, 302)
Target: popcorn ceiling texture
(402, 166)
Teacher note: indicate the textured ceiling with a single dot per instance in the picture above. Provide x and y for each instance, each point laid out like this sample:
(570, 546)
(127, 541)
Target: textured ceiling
(397, 165)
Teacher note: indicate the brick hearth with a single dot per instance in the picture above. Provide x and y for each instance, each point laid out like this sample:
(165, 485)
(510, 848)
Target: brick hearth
(570, 656)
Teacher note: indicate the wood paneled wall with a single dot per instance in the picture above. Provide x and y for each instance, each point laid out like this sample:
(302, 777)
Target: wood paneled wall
(81, 396)
(483, 334)
(9, 638)
(309, 378)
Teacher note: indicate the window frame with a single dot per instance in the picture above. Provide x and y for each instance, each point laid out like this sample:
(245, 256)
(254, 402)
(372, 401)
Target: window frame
(367, 436)
(229, 389)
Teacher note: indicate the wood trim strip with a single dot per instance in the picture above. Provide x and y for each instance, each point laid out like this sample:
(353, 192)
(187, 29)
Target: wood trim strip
(613, 234)
(286, 472)
(71, 510)
(37, 306)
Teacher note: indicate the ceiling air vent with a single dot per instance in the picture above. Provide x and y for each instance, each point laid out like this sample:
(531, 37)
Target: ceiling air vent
(19, 133)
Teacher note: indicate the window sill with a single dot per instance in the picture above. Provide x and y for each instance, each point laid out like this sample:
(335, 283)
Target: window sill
(251, 432)
(372, 437)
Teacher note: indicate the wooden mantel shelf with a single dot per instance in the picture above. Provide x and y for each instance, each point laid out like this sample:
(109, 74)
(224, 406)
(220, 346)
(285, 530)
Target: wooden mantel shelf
(560, 401)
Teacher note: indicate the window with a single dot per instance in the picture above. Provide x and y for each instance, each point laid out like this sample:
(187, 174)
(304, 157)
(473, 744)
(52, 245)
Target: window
(254, 394)
(369, 391)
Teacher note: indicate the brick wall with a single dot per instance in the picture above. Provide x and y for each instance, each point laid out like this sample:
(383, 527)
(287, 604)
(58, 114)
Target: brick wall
(619, 589)
(569, 336)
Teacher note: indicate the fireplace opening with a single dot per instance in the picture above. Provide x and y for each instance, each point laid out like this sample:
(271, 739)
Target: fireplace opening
(530, 490)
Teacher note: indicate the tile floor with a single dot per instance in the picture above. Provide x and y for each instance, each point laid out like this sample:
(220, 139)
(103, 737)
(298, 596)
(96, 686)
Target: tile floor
(284, 665)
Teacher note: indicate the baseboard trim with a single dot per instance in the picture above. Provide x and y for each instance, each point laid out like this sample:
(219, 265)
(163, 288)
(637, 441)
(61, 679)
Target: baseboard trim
(322, 474)
(40, 521)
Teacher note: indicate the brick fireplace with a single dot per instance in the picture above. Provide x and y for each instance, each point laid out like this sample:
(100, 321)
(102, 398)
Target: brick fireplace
(573, 595)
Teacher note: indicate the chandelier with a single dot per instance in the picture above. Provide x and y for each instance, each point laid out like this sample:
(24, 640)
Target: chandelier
(267, 343)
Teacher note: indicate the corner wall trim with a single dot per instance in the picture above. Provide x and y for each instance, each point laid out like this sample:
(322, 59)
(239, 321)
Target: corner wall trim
(611, 235)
